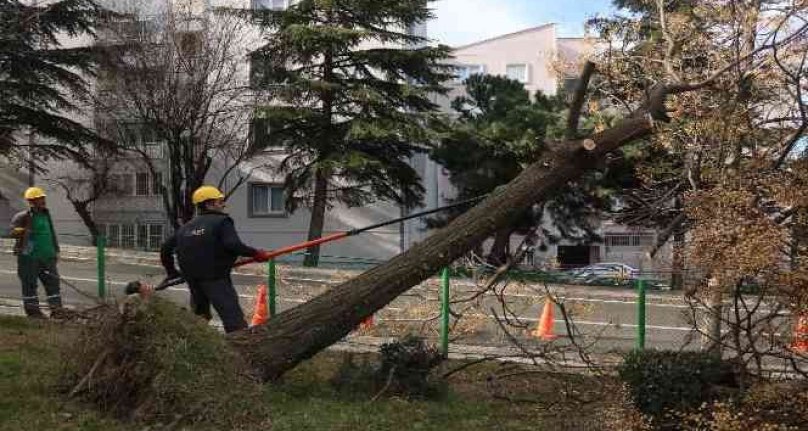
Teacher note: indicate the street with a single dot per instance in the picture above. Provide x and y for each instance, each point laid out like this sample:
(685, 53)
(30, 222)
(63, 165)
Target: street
(602, 318)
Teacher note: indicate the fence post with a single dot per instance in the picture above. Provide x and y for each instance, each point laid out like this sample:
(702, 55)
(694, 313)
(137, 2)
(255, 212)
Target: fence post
(444, 314)
(100, 245)
(271, 287)
(640, 314)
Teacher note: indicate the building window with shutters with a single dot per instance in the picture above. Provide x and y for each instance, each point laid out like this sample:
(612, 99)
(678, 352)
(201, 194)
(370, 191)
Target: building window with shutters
(266, 200)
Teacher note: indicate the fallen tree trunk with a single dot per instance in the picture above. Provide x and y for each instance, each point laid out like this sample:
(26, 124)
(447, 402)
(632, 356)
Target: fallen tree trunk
(301, 332)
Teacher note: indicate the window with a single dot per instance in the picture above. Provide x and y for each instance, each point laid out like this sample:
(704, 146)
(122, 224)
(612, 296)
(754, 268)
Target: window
(153, 150)
(568, 87)
(148, 236)
(155, 236)
(142, 234)
(191, 43)
(629, 239)
(518, 72)
(258, 68)
(138, 184)
(270, 4)
(128, 239)
(142, 184)
(113, 236)
(259, 134)
(266, 200)
(464, 71)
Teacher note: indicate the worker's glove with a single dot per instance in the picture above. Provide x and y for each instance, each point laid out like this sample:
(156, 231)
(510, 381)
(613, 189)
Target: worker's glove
(262, 256)
(146, 291)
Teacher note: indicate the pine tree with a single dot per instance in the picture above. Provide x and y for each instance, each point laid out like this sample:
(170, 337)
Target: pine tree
(500, 130)
(351, 104)
(41, 81)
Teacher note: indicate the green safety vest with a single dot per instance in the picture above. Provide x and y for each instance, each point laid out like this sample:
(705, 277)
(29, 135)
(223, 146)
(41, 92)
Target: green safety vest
(42, 241)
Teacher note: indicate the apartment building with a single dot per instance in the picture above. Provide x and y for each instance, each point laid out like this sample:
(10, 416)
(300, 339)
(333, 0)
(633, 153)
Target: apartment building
(133, 217)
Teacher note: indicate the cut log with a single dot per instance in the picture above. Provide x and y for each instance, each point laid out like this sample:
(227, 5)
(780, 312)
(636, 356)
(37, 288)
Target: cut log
(301, 332)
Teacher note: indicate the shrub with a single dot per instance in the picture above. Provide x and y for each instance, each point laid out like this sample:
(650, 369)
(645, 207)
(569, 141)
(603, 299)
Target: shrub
(404, 368)
(765, 407)
(662, 381)
(407, 364)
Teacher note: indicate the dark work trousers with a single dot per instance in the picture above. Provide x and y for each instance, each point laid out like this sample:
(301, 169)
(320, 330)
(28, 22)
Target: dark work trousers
(29, 269)
(222, 295)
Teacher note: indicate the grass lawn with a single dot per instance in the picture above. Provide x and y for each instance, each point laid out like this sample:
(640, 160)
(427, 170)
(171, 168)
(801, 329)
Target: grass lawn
(30, 397)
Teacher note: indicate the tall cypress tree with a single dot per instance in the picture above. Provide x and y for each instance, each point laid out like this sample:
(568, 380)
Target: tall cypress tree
(351, 104)
(41, 80)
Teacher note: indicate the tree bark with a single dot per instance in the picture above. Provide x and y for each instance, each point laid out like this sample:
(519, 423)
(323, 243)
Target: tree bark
(83, 210)
(317, 217)
(678, 264)
(678, 261)
(500, 249)
(301, 332)
(712, 342)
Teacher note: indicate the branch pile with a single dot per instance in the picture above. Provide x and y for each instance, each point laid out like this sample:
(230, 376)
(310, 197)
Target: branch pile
(154, 362)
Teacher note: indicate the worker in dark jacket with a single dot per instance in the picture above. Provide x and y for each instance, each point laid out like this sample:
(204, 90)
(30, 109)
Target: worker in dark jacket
(37, 250)
(206, 248)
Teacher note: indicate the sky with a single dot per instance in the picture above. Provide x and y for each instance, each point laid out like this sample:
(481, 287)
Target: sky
(464, 21)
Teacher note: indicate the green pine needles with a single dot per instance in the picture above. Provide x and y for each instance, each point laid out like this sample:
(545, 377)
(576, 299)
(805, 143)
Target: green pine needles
(352, 88)
(42, 81)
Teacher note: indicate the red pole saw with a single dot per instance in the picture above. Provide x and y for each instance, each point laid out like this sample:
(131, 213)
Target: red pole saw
(135, 286)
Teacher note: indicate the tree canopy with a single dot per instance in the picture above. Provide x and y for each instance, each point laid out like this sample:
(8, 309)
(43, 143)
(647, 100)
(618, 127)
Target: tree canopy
(42, 79)
(352, 88)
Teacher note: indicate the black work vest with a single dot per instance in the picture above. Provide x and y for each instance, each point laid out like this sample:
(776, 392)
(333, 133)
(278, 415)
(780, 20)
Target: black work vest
(200, 252)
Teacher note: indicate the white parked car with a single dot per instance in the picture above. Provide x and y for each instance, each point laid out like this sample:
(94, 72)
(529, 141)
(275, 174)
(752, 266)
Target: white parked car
(605, 272)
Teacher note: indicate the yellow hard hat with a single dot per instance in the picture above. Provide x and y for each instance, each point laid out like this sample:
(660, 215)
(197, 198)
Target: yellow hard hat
(206, 193)
(34, 193)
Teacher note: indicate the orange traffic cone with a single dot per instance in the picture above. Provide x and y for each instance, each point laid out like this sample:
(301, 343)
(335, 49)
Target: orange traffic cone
(367, 323)
(800, 343)
(545, 328)
(260, 313)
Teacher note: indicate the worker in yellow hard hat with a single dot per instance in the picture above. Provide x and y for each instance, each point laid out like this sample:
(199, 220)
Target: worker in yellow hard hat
(206, 248)
(37, 250)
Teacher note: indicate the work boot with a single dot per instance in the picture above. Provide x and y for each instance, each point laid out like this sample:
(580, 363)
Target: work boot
(33, 312)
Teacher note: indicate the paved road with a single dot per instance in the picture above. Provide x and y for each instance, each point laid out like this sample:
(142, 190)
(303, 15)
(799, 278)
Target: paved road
(607, 316)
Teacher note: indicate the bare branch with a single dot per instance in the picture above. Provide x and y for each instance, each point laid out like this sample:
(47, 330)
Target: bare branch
(578, 99)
